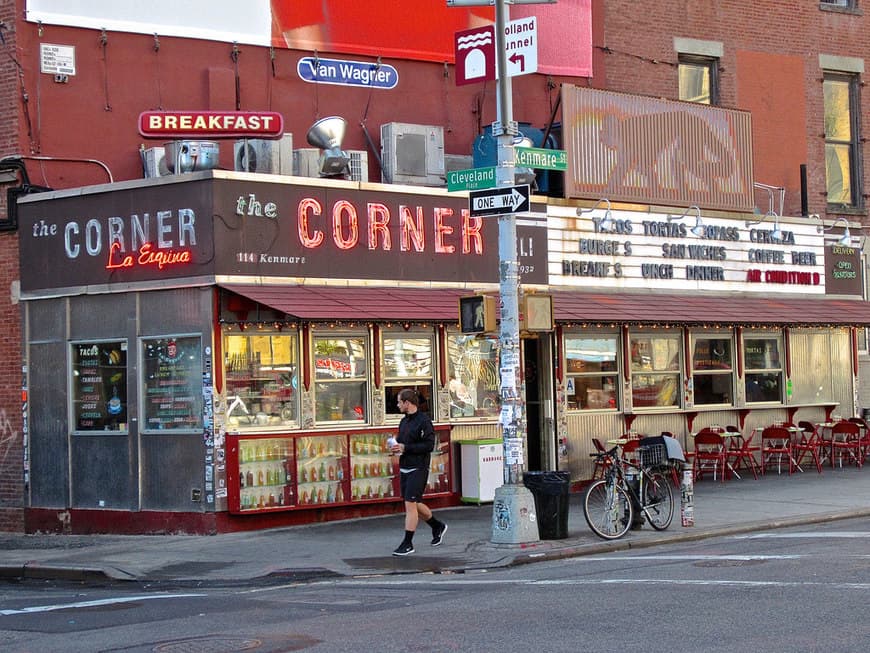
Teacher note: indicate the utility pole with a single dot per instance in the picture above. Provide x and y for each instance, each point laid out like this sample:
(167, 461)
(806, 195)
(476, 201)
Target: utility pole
(513, 512)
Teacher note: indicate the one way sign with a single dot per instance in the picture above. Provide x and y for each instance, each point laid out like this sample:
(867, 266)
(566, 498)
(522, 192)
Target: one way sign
(497, 201)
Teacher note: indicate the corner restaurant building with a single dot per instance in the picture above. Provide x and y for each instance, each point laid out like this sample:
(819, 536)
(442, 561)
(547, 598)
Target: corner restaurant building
(220, 351)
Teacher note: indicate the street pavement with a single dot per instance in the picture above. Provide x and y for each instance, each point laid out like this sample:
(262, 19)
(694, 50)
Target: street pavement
(362, 547)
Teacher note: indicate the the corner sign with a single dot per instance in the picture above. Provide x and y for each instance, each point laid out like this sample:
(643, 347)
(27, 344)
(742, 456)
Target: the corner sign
(211, 124)
(541, 158)
(347, 73)
(471, 179)
(498, 201)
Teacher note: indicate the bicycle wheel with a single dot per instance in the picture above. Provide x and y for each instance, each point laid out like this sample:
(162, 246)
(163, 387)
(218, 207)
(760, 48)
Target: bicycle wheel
(658, 500)
(607, 508)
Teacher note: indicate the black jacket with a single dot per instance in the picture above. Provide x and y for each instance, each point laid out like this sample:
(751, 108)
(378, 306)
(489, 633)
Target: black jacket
(418, 435)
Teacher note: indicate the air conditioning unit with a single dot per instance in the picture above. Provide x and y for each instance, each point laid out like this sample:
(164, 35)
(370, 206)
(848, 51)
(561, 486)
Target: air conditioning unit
(271, 157)
(306, 163)
(453, 162)
(155, 162)
(412, 154)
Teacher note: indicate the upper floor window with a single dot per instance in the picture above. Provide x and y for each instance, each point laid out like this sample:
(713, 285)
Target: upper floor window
(847, 4)
(841, 139)
(698, 79)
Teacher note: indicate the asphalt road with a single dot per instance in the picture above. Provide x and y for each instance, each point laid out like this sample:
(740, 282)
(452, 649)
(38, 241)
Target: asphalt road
(798, 589)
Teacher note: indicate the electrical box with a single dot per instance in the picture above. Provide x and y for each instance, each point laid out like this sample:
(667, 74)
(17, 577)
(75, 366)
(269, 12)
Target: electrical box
(412, 154)
(271, 157)
(477, 314)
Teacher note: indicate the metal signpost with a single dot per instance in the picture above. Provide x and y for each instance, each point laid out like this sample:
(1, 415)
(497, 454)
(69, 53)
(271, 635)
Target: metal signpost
(513, 513)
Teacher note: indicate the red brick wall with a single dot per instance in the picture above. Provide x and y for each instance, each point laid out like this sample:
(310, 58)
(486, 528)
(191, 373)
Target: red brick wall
(778, 41)
(11, 444)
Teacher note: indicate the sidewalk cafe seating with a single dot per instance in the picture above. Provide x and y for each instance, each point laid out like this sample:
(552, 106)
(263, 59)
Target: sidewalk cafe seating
(864, 436)
(809, 443)
(741, 451)
(710, 454)
(846, 439)
(776, 449)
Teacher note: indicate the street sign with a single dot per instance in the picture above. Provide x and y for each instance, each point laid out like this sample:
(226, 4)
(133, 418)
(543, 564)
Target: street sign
(498, 201)
(474, 50)
(471, 179)
(521, 46)
(541, 158)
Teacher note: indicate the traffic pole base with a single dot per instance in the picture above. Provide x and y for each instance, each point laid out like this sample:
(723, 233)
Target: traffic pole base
(513, 516)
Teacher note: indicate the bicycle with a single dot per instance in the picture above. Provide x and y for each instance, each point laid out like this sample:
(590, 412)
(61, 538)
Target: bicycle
(610, 503)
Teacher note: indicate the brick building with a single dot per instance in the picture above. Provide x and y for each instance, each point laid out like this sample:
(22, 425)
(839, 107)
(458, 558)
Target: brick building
(74, 90)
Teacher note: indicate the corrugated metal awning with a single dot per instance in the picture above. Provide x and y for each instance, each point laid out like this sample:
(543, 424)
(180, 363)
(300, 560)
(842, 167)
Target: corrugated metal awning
(381, 303)
(651, 308)
(352, 303)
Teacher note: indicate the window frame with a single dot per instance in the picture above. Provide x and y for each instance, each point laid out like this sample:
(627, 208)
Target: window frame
(677, 372)
(480, 410)
(572, 376)
(747, 370)
(694, 337)
(196, 380)
(696, 61)
(423, 384)
(123, 345)
(853, 143)
(365, 378)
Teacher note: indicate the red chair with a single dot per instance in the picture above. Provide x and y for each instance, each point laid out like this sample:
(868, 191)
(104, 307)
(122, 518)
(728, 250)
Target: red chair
(846, 438)
(864, 436)
(710, 454)
(629, 449)
(776, 447)
(810, 443)
(741, 451)
(601, 464)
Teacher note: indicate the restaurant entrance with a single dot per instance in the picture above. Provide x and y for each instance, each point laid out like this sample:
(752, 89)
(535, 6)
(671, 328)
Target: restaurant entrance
(538, 370)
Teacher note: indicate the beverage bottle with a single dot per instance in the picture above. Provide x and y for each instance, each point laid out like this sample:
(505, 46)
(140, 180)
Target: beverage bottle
(322, 475)
(339, 495)
(261, 480)
(249, 478)
(331, 472)
(312, 475)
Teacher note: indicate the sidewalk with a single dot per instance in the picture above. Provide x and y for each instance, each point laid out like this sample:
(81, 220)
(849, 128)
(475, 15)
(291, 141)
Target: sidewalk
(363, 547)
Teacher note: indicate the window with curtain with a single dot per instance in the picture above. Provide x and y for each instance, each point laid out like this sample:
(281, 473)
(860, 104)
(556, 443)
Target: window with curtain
(763, 368)
(841, 139)
(407, 364)
(591, 371)
(472, 367)
(713, 369)
(698, 79)
(655, 369)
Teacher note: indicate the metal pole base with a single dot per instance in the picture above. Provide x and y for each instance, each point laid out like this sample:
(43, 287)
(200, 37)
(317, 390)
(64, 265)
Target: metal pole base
(513, 516)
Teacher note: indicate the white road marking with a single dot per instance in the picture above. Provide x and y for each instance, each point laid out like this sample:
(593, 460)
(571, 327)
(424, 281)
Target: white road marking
(91, 604)
(792, 536)
(602, 581)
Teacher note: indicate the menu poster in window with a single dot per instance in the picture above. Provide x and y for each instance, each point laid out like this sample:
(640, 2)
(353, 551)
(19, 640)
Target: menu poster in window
(99, 390)
(173, 383)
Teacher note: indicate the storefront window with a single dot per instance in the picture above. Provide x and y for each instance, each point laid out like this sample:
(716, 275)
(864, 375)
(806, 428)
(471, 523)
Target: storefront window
(341, 371)
(472, 365)
(591, 372)
(763, 369)
(655, 370)
(713, 370)
(407, 364)
(262, 380)
(172, 368)
(99, 386)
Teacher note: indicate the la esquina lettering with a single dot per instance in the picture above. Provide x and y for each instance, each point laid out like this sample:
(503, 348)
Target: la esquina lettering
(147, 256)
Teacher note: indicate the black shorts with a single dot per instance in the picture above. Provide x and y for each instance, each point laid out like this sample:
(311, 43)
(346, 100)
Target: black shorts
(412, 484)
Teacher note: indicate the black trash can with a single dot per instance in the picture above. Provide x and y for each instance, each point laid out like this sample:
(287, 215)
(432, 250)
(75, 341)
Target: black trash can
(550, 491)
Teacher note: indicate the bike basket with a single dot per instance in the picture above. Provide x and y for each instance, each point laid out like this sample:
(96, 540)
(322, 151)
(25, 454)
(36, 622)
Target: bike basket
(654, 454)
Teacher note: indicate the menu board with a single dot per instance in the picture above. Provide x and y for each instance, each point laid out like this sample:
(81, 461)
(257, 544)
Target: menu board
(173, 383)
(99, 388)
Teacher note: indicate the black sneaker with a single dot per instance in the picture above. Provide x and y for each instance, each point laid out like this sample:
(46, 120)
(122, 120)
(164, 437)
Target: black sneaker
(438, 535)
(404, 549)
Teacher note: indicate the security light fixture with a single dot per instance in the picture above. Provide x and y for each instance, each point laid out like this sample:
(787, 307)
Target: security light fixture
(606, 221)
(327, 134)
